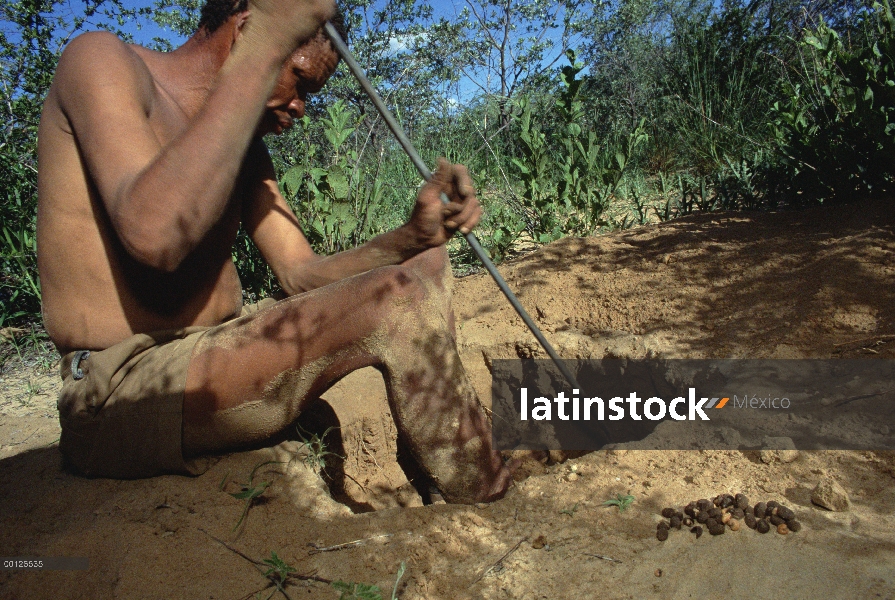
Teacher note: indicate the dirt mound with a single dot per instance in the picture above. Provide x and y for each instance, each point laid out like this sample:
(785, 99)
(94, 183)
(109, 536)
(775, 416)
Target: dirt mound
(811, 284)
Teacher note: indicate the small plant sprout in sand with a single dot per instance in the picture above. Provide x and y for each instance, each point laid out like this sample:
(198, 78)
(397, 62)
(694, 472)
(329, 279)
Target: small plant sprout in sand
(278, 572)
(622, 502)
(249, 491)
(570, 511)
(363, 591)
(316, 447)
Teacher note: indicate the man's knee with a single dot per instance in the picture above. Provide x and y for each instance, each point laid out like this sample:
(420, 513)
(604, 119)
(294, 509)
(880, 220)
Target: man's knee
(399, 286)
(433, 263)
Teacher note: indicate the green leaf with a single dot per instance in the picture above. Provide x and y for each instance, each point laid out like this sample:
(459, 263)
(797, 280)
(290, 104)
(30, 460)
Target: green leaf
(620, 160)
(346, 227)
(338, 183)
(357, 591)
(292, 179)
(253, 492)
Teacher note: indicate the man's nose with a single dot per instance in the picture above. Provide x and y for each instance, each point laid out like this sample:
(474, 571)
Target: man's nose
(297, 107)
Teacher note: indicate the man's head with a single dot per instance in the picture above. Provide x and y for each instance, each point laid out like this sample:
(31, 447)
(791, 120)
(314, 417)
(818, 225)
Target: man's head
(304, 72)
(215, 13)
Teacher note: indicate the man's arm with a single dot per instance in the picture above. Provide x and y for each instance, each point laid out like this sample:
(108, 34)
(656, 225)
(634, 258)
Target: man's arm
(276, 232)
(163, 199)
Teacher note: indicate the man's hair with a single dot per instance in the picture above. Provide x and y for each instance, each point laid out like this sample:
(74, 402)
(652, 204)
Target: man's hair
(216, 12)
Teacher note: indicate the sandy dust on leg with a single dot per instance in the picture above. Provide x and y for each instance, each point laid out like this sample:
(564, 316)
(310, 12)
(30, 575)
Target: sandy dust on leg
(251, 377)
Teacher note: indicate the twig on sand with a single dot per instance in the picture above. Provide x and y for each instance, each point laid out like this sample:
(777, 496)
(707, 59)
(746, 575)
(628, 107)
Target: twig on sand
(256, 592)
(863, 343)
(600, 556)
(498, 562)
(261, 566)
(315, 549)
(257, 563)
(863, 397)
(359, 484)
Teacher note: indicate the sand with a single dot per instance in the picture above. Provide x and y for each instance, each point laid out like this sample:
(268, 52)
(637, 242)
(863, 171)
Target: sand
(810, 284)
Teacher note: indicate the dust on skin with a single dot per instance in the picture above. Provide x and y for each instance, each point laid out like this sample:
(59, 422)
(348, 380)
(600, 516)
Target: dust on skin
(262, 418)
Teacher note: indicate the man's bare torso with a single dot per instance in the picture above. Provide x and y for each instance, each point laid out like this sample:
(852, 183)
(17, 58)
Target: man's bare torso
(94, 293)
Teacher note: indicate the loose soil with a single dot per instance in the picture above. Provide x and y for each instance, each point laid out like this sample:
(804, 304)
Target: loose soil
(809, 284)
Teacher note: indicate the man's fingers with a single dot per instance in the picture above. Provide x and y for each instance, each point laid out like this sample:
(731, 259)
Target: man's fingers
(463, 211)
(462, 216)
(473, 220)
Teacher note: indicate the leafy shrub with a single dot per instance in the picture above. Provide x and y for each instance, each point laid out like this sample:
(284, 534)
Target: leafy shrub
(835, 127)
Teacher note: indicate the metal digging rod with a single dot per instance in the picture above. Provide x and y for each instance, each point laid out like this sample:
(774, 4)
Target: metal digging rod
(402, 138)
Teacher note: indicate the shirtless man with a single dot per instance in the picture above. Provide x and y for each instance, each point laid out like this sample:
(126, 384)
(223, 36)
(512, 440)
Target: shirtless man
(149, 162)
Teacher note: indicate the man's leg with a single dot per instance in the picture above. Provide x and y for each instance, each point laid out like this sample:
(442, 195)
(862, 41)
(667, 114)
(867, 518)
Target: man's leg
(251, 377)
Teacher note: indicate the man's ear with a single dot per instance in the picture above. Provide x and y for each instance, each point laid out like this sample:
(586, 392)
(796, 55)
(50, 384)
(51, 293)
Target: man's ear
(241, 19)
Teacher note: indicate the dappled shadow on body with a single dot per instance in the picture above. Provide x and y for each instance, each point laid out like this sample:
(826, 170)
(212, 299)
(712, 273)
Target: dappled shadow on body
(280, 360)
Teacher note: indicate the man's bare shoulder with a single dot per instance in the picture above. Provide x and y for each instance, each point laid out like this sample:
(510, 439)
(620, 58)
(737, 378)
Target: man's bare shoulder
(98, 63)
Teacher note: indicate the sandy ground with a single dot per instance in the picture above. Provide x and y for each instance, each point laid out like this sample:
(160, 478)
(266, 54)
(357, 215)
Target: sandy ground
(792, 285)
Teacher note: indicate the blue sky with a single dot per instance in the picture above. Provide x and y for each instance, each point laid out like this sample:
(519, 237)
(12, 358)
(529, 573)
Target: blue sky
(145, 30)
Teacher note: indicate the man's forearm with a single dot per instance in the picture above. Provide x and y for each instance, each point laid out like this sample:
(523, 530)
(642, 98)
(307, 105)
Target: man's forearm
(391, 248)
(186, 190)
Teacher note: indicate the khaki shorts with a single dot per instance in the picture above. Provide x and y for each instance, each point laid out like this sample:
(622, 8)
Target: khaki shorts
(123, 416)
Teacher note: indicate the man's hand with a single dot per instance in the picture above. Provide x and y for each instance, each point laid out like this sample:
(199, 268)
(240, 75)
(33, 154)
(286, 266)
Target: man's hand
(287, 23)
(432, 222)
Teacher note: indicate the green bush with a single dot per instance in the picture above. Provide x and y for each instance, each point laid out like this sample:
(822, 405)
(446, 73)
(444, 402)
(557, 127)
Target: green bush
(835, 127)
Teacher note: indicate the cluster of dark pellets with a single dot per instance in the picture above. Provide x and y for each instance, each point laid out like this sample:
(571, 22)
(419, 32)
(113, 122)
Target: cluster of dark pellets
(726, 511)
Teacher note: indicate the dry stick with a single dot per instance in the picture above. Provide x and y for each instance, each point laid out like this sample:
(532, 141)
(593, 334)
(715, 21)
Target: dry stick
(359, 484)
(862, 397)
(497, 562)
(260, 565)
(256, 592)
(352, 544)
(600, 556)
(863, 342)
(414, 156)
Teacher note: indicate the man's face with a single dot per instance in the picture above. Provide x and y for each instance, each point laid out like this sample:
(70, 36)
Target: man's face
(304, 72)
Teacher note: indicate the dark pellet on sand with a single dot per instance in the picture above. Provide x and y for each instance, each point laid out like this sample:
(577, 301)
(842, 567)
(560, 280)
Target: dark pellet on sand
(662, 534)
(737, 513)
(662, 525)
(675, 522)
(742, 501)
(785, 513)
(762, 526)
(703, 504)
(697, 530)
(750, 521)
(760, 510)
(702, 517)
(776, 520)
(718, 529)
(668, 512)
(793, 525)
